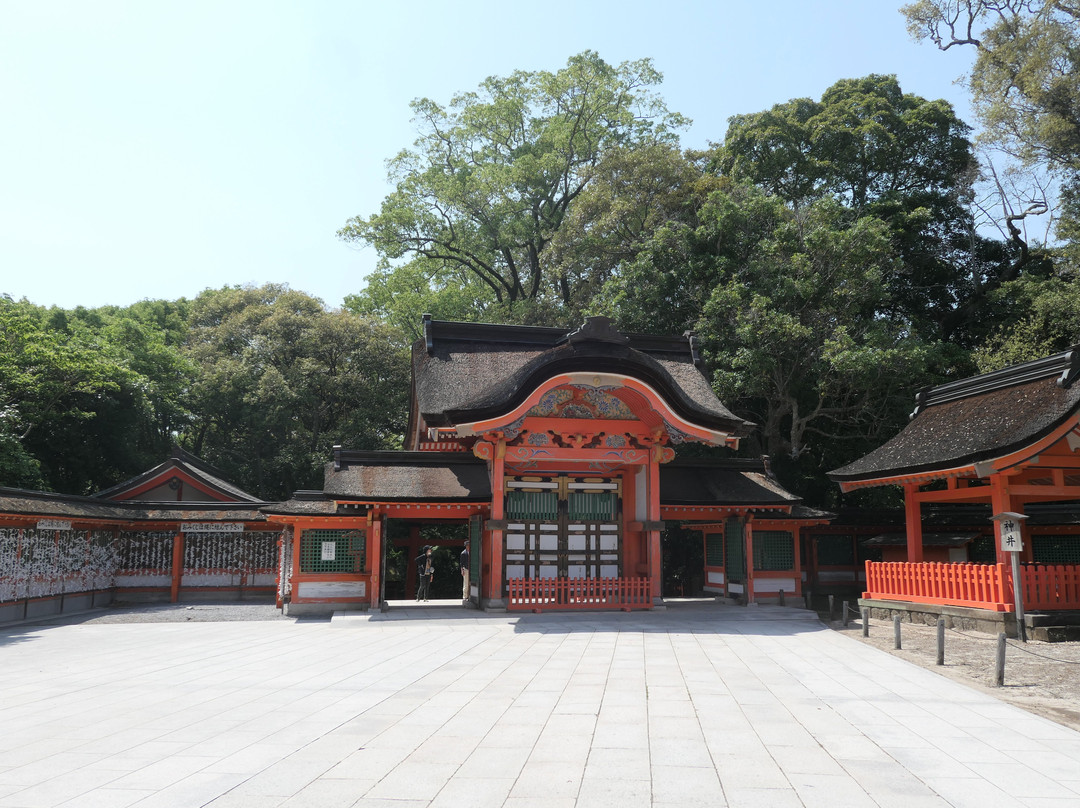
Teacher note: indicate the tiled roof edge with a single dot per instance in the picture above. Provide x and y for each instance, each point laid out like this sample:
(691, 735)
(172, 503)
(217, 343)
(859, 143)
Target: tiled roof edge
(1064, 365)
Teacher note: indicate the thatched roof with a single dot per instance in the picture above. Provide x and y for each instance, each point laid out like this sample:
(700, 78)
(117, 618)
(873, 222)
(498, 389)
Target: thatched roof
(464, 372)
(977, 419)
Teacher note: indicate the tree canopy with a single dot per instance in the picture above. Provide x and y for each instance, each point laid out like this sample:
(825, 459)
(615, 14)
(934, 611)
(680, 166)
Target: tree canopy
(493, 174)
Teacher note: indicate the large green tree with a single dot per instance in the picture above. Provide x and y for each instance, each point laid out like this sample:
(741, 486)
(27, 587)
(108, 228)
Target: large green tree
(1025, 83)
(889, 154)
(494, 173)
(281, 380)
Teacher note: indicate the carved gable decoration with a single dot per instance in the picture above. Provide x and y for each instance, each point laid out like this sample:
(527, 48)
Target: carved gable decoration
(590, 403)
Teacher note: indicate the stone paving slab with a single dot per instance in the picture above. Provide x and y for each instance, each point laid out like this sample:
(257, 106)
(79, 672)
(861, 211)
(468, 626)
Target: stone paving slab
(700, 704)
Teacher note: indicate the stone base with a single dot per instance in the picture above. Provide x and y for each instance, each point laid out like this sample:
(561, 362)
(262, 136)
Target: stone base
(53, 606)
(962, 618)
(322, 609)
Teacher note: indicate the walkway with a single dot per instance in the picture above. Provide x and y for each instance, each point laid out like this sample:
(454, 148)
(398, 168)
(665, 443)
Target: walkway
(699, 705)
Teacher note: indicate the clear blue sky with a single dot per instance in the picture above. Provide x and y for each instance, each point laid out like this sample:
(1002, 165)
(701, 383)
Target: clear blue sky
(154, 149)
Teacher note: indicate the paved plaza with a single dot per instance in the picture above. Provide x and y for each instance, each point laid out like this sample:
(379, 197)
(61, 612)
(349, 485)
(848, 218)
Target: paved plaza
(697, 705)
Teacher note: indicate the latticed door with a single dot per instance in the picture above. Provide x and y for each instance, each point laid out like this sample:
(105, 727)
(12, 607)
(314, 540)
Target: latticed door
(563, 528)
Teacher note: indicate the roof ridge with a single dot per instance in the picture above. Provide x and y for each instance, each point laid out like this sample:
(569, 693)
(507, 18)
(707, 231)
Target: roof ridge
(1065, 365)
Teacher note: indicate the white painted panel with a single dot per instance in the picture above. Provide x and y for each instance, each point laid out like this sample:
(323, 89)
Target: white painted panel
(716, 577)
(516, 526)
(774, 584)
(515, 570)
(609, 570)
(576, 570)
(609, 542)
(515, 541)
(142, 580)
(736, 589)
(548, 571)
(331, 589)
(549, 542)
(575, 541)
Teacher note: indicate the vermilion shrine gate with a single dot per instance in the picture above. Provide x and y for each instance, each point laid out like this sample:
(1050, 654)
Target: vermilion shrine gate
(558, 451)
(1007, 439)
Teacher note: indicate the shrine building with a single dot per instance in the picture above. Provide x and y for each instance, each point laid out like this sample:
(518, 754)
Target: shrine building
(556, 456)
(1008, 441)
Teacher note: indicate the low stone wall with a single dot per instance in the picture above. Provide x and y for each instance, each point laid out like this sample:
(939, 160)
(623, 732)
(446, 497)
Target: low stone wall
(53, 605)
(961, 618)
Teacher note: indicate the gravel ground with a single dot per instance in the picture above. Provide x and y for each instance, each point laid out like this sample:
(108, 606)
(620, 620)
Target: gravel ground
(1043, 678)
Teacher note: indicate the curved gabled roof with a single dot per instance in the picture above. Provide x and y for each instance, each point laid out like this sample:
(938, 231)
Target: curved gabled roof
(977, 419)
(466, 372)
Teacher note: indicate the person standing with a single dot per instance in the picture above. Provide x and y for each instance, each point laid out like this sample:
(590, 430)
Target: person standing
(464, 561)
(424, 573)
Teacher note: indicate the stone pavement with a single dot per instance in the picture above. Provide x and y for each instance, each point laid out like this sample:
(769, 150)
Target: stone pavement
(698, 705)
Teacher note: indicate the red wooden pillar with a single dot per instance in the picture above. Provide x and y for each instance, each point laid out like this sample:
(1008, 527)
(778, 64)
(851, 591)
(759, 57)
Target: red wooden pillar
(655, 554)
(177, 565)
(1001, 501)
(374, 559)
(913, 521)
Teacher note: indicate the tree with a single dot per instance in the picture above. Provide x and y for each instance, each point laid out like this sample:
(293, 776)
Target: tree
(792, 310)
(281, 380)
(494, 174)
(1025, 83)
(884, 153)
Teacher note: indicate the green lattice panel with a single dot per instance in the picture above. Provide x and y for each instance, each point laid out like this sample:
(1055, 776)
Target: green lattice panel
(714, 549)
(332, 551)
(584, 506)
(1056, 549)
(736, 553)
(834, 550)
(981, 550)
(774, 550)
(532, 506)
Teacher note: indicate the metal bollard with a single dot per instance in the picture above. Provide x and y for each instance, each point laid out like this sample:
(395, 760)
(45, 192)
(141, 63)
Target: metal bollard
(896, 630)
(866, 622)
(941, 641)
(999, 661)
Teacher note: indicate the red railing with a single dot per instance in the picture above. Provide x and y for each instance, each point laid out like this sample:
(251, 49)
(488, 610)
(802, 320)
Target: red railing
(983, 586)
(579, 593)
(1051, 587)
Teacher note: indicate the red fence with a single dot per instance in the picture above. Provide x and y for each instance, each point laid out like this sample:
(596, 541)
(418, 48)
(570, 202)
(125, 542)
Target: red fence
(983, 586)
(1051, 587)
(579, 593)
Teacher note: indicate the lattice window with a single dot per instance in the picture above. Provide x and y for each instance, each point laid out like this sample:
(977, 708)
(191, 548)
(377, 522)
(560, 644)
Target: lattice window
(735, 550)
(834, 550)
(332, 551)
(1056, 549)
(532, 506)
(774, 550)
(585, 506)
(714, 549)
(981, 550)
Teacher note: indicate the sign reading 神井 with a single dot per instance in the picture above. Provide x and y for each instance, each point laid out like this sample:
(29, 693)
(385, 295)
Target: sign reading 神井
(329, 551)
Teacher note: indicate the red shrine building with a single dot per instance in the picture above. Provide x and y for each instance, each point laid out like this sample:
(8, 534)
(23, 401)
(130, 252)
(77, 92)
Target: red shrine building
(1007, 441)
(559, 450)
(555, 456)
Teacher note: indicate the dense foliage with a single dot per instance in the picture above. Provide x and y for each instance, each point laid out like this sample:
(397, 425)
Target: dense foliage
(827, 253)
